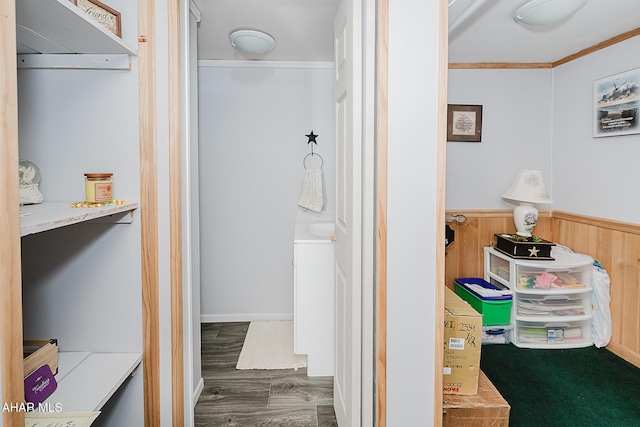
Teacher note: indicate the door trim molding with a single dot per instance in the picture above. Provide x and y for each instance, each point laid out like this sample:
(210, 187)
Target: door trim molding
(382, 53)
(440, 210)
(175, 212)
(10, 261)
(149, 212)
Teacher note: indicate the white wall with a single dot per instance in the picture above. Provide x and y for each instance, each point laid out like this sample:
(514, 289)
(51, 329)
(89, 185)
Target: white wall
(516, 134)
(253, 118)
(411, 216)
(593, 176)
(546, 118)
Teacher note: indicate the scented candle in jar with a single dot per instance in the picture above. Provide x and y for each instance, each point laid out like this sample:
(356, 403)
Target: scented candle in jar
(98, 187)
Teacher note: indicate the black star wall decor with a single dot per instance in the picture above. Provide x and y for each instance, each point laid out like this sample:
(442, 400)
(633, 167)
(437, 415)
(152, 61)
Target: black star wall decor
(312, 138)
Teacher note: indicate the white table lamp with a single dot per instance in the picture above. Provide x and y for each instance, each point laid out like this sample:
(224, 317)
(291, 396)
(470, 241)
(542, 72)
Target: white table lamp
(527, 189)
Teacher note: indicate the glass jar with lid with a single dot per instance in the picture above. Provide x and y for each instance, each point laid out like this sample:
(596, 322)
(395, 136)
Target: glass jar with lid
(98, 187)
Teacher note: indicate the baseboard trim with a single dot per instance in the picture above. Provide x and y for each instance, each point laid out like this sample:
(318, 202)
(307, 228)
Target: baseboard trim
(244, 317)
(197, 392)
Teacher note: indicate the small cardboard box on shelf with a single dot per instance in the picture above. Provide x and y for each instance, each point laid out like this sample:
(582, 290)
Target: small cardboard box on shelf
(38, 352)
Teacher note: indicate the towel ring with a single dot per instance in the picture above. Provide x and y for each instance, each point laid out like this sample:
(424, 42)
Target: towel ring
(304, 161)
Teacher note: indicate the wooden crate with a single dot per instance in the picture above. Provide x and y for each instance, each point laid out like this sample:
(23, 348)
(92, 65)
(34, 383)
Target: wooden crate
(38, 352)
(484, 409)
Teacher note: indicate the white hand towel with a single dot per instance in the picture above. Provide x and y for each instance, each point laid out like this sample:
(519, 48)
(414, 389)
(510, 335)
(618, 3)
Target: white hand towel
(311, 195)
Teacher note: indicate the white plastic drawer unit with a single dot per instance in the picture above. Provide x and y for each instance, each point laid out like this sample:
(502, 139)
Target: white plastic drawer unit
(551, 299)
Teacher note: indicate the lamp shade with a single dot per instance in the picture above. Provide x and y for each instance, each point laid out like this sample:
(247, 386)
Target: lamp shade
(528, 187)
(543, 12)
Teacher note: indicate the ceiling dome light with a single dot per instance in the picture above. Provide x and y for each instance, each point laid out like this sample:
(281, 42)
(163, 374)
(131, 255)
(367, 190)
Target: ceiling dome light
(252, 41)
(543, 12)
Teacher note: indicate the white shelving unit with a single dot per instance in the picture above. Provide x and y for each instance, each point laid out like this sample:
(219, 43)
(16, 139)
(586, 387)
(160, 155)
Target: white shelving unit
(558, 316)
(81, 283)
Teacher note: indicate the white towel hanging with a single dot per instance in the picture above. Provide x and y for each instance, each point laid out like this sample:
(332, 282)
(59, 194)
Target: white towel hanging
(311, 194)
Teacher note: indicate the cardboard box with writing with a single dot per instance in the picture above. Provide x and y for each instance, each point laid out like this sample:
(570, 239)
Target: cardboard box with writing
(462, 343)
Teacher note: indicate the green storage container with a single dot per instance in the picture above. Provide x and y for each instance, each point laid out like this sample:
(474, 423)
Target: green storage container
(495, 310)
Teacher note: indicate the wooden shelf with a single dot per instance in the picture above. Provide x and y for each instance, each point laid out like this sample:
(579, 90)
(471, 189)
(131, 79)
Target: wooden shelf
(87, 380)
(51, 215)
(57, 27)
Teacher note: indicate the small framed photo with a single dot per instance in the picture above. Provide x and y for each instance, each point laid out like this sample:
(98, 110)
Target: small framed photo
(464, 123)
(105, 15)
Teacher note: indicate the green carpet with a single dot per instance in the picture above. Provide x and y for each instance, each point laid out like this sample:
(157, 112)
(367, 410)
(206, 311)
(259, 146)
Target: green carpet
(574, 387)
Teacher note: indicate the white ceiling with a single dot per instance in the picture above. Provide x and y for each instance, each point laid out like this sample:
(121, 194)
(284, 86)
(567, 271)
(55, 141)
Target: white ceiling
(303, 29)
(491, 35)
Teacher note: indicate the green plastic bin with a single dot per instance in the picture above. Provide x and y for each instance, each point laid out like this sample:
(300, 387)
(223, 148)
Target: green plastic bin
(494, 310)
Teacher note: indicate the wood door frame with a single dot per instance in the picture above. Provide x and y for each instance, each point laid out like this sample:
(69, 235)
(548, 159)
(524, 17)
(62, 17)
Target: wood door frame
(175, 214)
(380, 366)
(149, 211)
(443, 71)
(10, 264)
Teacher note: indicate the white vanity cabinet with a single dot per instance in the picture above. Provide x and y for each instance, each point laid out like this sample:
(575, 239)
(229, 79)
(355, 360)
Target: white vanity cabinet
(313, 312)
(551, 299)
(81, 267)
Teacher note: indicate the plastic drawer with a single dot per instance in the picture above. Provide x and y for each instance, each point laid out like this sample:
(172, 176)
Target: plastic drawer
(499, 267)
(553, 304)
(553, 334)
(553, 280)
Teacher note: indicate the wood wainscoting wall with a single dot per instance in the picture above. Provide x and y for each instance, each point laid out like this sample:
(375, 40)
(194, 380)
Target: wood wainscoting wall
(615, 244)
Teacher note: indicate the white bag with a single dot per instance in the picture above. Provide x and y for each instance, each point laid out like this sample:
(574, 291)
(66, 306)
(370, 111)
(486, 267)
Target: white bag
(601, 321)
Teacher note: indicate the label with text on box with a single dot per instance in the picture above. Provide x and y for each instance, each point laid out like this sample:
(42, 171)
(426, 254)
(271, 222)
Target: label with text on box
(39, 385)
(555, 336)
(456, 344)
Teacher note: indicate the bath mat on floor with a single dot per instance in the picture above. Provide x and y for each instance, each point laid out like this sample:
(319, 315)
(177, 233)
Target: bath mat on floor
(269, 345)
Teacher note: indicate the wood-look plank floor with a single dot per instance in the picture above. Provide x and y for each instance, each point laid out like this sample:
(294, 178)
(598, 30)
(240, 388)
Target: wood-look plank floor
(239, 398)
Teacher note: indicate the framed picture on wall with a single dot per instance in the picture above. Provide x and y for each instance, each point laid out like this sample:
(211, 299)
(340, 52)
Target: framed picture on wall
(464, 123)
(105, 15)
(615, 104)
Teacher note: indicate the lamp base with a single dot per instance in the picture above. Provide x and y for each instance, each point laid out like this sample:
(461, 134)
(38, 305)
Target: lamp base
(525, 217)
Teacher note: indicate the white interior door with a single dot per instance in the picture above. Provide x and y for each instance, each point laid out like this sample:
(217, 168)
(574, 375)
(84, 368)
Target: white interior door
(348, 252)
